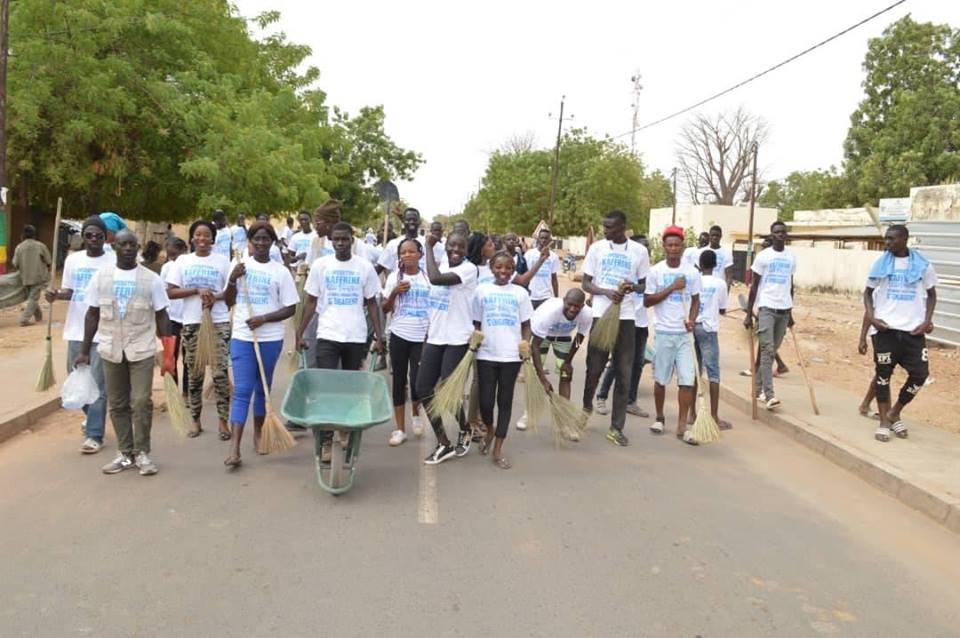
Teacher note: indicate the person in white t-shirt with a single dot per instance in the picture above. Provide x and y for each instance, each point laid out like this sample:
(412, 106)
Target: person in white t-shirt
(713, 303)
(772, 291)
(724, 268)
(502, 311)
(200, 279)
(563, 324)
(127, 308)
(263, 296)
(407, 295)
(174, 247)
(223, 245)
(613, 268)
(439, 250)
(299, 246)
(642, 322)
(288, 230)
(238, 234)
(544, 284)
(900, 298)
(691, 255)
(673, 291)
(388, 257)
(78, 269)
(448, 335)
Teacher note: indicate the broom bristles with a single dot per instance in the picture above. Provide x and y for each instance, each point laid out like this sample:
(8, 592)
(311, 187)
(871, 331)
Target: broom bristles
(448, 395)
(569, 421)
(207, 350)
(46, 379)
(604, 333)
(274, 437)
(176, 406)
(536, 399)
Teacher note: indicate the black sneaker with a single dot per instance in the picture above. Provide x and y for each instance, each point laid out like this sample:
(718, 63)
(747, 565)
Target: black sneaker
(439, 455)
(463, 444)
(617, 438)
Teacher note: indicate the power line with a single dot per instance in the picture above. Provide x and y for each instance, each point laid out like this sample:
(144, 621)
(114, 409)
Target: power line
(762, 73)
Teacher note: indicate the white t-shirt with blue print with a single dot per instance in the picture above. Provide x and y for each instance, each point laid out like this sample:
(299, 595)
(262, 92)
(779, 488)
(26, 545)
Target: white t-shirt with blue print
(541, 286)
(451, 315)
(411, 309)
(194, 271)
(902, 305)
(611, 264)
(713, 299)
(776, 270)
(669, 315)
(500, 311)
(271, 288)
(78, 270)
(341, 289)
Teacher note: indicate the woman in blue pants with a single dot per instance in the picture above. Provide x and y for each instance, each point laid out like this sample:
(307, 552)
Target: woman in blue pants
(265, 295)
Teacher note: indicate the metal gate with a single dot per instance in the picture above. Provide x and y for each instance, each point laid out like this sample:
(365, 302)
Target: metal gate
(940, 242)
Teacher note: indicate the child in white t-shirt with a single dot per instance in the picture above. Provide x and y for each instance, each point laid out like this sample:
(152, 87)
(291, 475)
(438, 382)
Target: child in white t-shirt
(713, 303)
(502, 311)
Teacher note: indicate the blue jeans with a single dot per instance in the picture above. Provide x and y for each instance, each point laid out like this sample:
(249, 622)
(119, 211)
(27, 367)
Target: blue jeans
(96, 412)
(674, 350)
(246, 377)
(708, 352)
(639, 360)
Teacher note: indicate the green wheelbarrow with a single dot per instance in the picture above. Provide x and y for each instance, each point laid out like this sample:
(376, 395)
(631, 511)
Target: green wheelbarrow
(340, 404)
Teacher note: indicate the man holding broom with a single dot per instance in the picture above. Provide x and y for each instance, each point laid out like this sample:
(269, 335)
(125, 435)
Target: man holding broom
(669, 284)
(127, 308)
(613, 268)
(78, 270)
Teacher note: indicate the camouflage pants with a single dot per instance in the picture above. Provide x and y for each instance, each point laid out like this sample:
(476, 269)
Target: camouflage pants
(221, 380)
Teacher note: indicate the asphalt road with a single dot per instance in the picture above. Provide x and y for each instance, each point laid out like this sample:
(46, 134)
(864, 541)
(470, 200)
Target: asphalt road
(754, 536)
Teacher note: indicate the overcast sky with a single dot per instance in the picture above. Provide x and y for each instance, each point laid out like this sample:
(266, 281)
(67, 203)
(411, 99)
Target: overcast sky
(458, 80)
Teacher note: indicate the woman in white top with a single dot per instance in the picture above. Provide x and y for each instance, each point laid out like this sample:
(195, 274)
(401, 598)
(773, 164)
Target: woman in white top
(502, 311)
(407, 295)
(451, 293)
(200, 278)
(174, 247)
(266, 297)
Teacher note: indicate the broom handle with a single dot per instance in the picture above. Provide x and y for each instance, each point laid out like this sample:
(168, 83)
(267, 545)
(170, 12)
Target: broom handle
(693, 352)
(753, 375)
(53, 263)
(256, 346)
(803, 369)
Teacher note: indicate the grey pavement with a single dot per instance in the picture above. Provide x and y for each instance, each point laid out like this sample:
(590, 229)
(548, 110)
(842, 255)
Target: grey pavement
(753, 536)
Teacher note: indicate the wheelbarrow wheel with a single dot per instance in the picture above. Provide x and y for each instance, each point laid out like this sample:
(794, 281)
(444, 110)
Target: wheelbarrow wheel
(337, 474)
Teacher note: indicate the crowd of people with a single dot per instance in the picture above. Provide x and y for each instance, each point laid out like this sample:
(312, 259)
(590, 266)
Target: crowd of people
(418, 298)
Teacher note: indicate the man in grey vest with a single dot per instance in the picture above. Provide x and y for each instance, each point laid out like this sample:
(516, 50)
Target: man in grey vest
(127, 310)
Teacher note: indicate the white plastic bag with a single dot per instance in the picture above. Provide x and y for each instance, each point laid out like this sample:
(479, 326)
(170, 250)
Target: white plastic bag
(79, 389)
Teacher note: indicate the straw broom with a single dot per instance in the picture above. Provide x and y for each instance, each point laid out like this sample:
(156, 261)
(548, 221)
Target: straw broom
(176, 407)
(207, 350)
(293, 359)
(273, 437)
(448, 395)
(705, 429)
(536, 399)
(604, 334)
(46, 378)
(569, 421)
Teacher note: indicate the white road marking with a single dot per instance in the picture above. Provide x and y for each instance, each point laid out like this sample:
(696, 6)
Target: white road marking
(427, 509)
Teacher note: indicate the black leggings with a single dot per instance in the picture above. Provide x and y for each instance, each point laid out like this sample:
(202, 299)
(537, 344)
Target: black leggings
(436, 364)
(404, 355)
(497, 382)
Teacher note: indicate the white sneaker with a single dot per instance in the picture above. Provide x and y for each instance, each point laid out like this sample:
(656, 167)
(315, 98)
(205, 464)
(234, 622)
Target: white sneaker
(772, 403)
(397, 437)
(417, 426)
(602, 406)
(90, 446)
(522, 423)
(656, 427)
(147, 468)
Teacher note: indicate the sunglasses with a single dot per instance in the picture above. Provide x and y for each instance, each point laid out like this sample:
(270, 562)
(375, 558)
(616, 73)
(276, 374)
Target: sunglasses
(93, 235)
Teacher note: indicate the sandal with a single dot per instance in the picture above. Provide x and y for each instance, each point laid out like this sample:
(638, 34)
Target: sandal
(502, 463)
(688, 438)
(232, 461)
(487, 444)
(900, 429)
(194, 433)
(724, 425)
(224, 436)
(882, 434)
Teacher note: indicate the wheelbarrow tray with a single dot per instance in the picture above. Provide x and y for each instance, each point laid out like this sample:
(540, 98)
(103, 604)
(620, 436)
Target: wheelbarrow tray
(337, 399)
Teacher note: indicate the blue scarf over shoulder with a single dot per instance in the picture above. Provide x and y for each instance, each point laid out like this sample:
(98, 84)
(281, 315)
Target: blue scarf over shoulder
(885, 264)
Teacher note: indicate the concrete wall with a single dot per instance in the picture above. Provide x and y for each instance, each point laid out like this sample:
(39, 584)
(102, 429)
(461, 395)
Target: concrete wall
(833, 217)
(827, 267)
(733, 219)
(935, 203)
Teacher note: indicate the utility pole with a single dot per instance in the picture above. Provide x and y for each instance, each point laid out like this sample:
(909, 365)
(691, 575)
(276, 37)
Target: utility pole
(747, 279)
(637, 87)
(556, 166)
(673, 218)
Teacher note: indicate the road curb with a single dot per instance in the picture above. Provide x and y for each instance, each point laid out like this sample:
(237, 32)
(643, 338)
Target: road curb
(14, 426)
(891, 480)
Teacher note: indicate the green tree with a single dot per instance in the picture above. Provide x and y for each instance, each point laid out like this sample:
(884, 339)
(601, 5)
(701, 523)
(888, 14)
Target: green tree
(595, 176)
(906, 131)
(808, 190)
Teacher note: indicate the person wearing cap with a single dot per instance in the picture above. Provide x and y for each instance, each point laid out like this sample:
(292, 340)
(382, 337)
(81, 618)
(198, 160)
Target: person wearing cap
(673, 291)
(78, 269)
(612, 269)
(32, 260)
